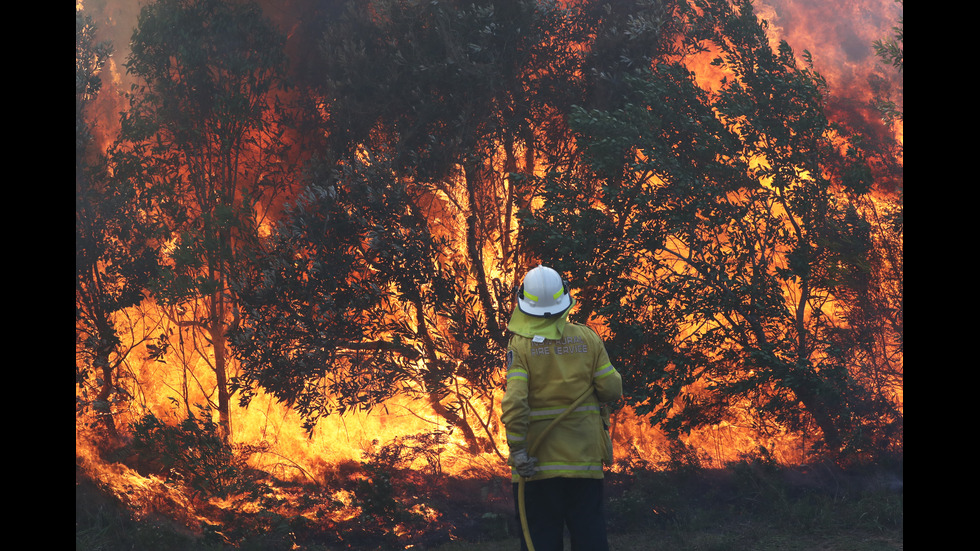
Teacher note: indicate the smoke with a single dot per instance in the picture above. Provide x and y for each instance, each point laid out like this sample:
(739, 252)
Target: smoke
(839, 34)
(115, 21)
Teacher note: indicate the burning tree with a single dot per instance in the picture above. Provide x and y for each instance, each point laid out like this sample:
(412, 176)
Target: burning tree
(722, 237)
(725, 236)
(393, 274)
(115, 255)
(204, 139)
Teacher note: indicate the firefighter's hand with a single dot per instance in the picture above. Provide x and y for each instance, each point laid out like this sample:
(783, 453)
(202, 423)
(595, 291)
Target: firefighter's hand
(525, 465)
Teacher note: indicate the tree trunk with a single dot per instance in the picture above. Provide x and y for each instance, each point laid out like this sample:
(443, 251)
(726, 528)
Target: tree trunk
(510, 167)
(102, 401)
(218, 342)
(822, 415)
(474, 249)
(431, 358)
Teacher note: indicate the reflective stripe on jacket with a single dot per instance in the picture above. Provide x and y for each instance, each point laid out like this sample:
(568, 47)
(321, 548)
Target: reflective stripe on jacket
(543, 379)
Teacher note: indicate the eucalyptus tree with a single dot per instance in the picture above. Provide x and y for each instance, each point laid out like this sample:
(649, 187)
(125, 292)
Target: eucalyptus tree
(433, 114)
(205, 137)
(115, 256)
(417, 100)
(717, 236)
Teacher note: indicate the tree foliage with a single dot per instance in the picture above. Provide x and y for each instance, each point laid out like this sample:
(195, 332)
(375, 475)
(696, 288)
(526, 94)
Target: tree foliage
(717, 238)
(320, 326)
(892, 51)
(724, 235)
(432, 111)
(115, 255)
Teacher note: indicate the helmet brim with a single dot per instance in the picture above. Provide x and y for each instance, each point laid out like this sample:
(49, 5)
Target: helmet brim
(557, 309)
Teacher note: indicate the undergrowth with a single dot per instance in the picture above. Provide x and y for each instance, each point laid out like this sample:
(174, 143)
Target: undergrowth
(753, 503)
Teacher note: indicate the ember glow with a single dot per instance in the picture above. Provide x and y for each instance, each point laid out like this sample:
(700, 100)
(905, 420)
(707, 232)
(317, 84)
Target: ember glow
(168, 367)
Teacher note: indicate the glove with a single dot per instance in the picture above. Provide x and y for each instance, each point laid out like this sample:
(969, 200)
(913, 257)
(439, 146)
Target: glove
(525, 465)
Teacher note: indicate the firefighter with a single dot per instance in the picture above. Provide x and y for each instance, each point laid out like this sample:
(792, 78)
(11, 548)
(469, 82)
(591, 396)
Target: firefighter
(550, 363)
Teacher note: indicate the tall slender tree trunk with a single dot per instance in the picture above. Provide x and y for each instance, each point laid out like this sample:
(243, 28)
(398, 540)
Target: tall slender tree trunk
(510, 167)
(474, 249)
(219, 344)
(105, 393)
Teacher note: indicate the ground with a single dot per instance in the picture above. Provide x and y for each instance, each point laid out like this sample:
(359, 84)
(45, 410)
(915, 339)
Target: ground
(745, 507)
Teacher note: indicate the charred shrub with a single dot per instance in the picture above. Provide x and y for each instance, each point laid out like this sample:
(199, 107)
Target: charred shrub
(375, 495)
(191, 452)
(378, 495)
(683, 458)
(393, 493)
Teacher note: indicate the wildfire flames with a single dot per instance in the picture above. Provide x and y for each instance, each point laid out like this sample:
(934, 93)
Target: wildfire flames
(171, 381)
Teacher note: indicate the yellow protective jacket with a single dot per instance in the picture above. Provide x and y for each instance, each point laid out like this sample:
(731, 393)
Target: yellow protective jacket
(548, 367)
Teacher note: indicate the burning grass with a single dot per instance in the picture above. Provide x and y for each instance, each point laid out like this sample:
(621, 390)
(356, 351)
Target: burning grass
(383, 502)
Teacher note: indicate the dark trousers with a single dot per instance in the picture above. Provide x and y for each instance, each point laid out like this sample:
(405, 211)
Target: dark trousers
(554, 503)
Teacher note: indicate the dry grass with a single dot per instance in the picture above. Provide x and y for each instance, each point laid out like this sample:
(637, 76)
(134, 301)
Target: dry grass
(746, 507)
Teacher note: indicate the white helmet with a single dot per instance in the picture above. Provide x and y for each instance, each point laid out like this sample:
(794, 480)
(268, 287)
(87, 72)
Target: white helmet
(543, 293)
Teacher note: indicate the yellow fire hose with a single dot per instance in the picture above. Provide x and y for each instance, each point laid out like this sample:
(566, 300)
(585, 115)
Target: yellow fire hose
(530, 453)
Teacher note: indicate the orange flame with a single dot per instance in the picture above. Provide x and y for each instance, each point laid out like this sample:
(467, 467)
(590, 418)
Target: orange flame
(171, 383)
